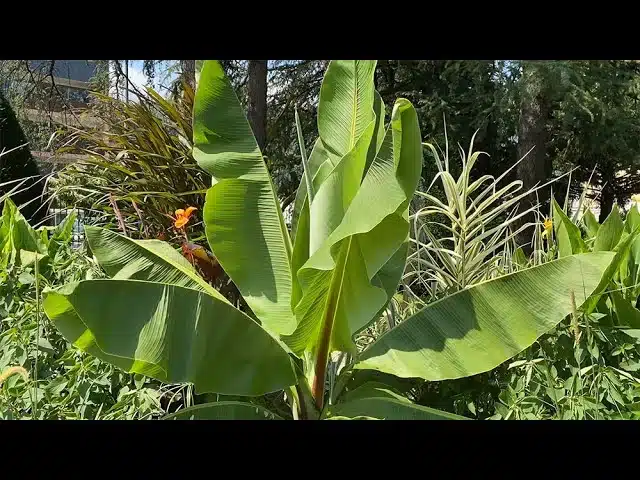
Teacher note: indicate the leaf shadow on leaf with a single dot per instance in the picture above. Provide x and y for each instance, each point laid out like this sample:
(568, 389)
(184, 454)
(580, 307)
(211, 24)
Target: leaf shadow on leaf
(438, 325)
(267, 287)
(220, 145)
(477, 329)
(171, 333)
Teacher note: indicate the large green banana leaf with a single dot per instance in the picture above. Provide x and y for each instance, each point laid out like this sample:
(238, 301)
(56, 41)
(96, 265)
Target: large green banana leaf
(346, 108)
(477, 329)
(621, 255)
(321, 165)
(171, 333)
(123, 258)
(242, 216)
(345, 282)
(224, 411)
(348, 105)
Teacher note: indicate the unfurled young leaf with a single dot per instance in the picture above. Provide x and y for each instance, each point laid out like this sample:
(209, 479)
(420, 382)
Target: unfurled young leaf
(567, 233)
(610, 232)
(591, 223)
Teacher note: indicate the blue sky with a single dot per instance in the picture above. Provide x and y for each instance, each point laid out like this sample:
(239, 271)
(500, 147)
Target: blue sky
(139, 79)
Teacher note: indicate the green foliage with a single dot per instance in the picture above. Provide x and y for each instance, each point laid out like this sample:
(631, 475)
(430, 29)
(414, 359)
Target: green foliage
(139, 167)
(61, 382)
(587, 367)
(561, 378)
(16, 163)
(595, 124)
(312, 295)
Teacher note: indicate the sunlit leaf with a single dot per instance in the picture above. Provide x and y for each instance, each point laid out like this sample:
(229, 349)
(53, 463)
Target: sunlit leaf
(123, 258)
(243, 220)
(610, 232)
(171, 333)
(627, 314)
(477, 329)
(567, 233)
(591, 223)
(633, 219)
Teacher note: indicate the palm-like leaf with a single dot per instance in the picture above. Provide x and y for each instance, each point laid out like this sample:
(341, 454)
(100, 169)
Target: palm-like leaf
(123, 258)
(171, 333)
(478, 328)
(243, 221)
(481, 220)
(138, 160)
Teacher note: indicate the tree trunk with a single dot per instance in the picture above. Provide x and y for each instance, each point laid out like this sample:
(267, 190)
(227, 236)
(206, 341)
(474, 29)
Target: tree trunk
(608, 195)
(189, 72)
(390, 75)
(257, 100)
(536, 168)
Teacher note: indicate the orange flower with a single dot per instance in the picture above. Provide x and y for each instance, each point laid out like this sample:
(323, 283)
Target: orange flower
(182, 216)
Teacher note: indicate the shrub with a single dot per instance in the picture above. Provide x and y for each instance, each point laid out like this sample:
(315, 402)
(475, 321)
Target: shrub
(17, 163)
(58, 381)
(138, 168)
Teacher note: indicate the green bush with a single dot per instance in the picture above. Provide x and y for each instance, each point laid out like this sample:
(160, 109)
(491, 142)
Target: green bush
(586, 368)
(138, 166)
(17, 163)
(62, 382)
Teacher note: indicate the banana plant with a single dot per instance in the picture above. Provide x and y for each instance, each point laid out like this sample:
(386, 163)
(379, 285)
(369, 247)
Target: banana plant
(311, 289)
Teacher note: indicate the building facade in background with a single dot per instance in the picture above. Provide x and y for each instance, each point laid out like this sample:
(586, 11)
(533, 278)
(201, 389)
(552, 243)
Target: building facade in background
(58, 95)
(67, 81)
(60, 88)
